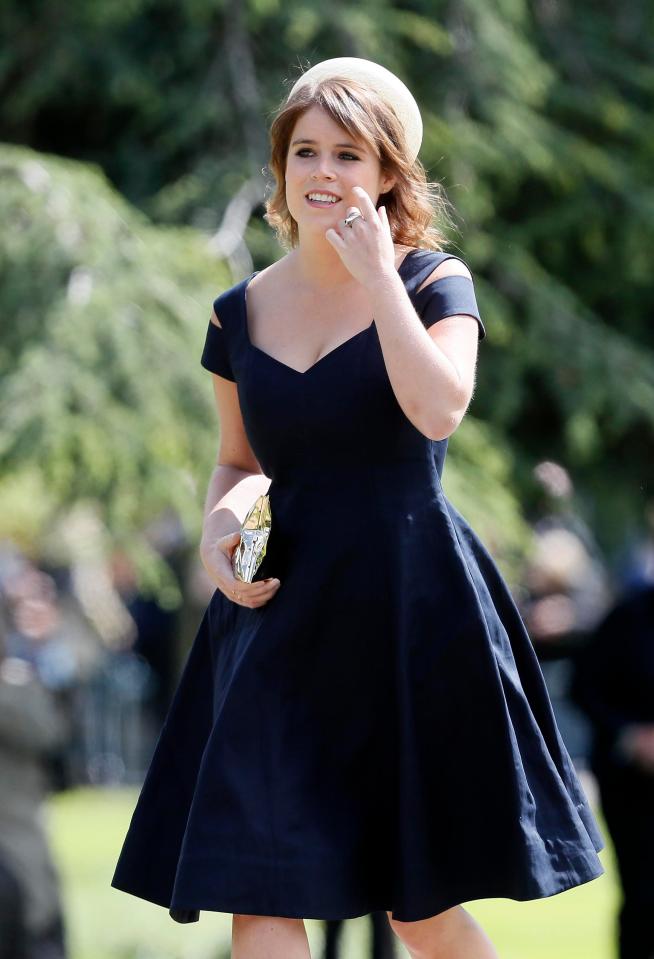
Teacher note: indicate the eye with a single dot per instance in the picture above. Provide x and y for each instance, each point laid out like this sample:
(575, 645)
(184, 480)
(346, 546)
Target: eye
(308, 150)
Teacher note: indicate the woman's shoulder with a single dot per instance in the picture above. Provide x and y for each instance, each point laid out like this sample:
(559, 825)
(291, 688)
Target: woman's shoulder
(231, 298)
(276, 273)
(425, 253)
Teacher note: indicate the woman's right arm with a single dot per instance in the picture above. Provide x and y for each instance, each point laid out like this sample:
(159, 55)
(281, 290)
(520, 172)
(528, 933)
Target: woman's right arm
(235, 483)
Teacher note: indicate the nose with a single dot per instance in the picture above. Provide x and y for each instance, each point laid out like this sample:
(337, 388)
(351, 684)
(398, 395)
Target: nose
(322, 169)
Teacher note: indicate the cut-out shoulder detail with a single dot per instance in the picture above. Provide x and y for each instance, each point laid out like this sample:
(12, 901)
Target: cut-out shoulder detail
(447, 291)
(453, 266)
(215, 320)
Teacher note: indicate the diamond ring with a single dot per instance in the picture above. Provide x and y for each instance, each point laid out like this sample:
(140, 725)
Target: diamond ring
(351, 217)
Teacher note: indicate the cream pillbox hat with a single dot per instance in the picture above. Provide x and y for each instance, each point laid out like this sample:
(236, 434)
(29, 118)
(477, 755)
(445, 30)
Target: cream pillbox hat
(389, 87)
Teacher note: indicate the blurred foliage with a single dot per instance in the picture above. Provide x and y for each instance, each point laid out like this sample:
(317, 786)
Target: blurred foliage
(538, 120)
(104, 318)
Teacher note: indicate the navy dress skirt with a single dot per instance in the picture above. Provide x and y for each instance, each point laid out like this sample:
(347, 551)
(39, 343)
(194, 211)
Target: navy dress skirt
(378, 736)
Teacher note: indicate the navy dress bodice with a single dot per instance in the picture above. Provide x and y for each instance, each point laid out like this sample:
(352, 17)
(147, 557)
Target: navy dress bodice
(343, 407)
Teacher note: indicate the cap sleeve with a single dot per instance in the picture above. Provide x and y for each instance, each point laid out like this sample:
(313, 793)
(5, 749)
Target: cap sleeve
(448, 296)
(215, 355)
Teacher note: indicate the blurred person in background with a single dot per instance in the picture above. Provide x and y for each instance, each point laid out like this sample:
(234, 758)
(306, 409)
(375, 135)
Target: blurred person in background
(614, 684)
(636, 561)
(154, 639)
(382, 941)
(31, 726)
(37, 634)
(567, 591)
(75, 632)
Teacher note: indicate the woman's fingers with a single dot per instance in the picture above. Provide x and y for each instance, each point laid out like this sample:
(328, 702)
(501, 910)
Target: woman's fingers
(255, 593)
(267, 593)
(366, 205)
(253, 588)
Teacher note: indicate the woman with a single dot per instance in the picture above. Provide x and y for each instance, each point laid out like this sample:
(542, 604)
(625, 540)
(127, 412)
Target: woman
(365, 726)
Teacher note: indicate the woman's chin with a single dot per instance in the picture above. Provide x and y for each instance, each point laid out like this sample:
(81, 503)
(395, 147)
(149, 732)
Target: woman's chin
(317, 226)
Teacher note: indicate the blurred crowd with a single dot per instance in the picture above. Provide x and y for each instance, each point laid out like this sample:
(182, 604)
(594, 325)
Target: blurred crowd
(593, 631)
(83, 697)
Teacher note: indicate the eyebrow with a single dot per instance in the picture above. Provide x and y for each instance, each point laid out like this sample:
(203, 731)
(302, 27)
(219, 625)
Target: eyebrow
(353, 145)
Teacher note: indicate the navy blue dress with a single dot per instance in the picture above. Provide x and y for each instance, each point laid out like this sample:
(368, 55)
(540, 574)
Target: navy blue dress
(378, 736)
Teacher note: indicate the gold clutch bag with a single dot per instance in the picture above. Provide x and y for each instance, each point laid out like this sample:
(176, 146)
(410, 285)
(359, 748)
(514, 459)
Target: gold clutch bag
(255, 531)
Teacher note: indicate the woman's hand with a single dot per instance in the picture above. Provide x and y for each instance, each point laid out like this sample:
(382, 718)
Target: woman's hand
(366, 247)
(217, 560)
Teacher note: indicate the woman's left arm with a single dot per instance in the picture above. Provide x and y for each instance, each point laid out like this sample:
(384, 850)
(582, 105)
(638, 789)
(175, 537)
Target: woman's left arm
(432, 371)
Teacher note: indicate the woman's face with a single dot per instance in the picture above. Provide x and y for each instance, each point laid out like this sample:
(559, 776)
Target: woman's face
(323, 158)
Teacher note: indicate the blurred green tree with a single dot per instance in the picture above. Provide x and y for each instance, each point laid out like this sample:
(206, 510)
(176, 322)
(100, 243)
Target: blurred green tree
(538, 121)
(103, 319)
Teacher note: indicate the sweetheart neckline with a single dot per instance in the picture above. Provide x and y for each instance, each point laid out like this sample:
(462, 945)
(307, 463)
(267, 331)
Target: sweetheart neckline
(355, 336)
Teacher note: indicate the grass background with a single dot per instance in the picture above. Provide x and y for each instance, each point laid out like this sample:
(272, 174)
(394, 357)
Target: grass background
(87, 827)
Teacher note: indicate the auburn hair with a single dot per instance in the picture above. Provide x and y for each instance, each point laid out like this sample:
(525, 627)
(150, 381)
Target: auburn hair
(414, 205)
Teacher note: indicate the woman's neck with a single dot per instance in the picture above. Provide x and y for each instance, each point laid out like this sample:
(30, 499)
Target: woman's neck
(318, 265)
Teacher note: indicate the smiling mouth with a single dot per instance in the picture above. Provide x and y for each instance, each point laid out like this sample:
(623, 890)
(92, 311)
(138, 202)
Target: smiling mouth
(325, 203)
